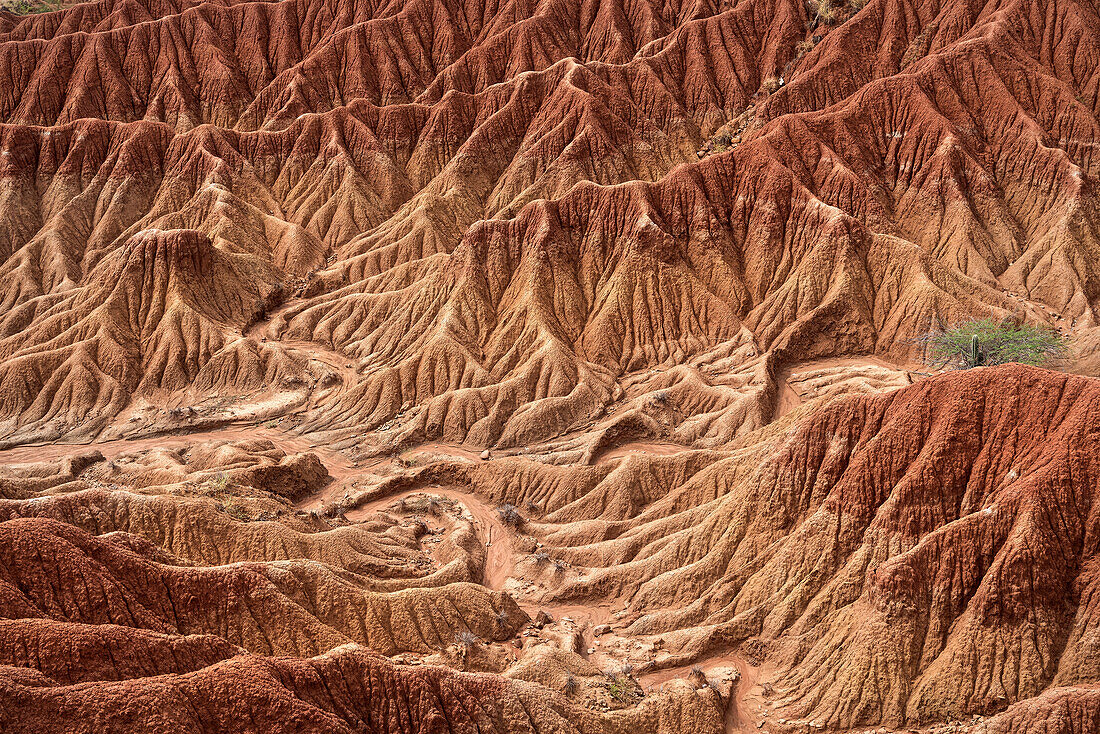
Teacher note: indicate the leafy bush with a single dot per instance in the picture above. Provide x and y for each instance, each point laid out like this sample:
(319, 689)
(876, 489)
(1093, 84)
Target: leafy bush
(983, 342)
(29, 7)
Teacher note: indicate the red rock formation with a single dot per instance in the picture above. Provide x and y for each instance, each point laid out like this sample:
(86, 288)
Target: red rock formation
(149, 624)
(561, 225)
(468, 276)
(921, 556)
(347, 690)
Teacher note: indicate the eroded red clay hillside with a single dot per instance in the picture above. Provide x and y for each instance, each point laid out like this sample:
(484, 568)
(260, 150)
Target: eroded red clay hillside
(906, 559)
(485, 223)
(328, 282)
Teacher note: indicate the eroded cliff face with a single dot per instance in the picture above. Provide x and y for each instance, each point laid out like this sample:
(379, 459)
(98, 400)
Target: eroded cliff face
(481, 220)
(293, 266)
(901, 559)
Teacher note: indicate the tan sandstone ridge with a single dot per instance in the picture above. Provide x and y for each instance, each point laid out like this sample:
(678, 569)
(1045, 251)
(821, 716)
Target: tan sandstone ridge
(325, 284)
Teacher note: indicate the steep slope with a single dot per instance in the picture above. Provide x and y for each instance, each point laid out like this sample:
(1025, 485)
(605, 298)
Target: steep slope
(485, 366)
(156, 315)
(922, 556)
(492, 216)
(900, 559)
(203, 601)
(346, 690)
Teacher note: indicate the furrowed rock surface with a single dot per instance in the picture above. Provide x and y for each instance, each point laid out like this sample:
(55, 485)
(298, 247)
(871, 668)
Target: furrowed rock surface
(486, 366)
(177, 597)
(900, 559)
(478, 222)
(925, 555)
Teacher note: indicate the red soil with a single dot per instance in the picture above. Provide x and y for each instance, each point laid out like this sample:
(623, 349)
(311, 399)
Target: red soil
(292, 266)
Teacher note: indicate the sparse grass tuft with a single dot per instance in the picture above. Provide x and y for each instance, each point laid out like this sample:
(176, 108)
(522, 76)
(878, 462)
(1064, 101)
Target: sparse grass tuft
(236, 511)
(570, 686)
(466, 640)
(434, 505)
(620, 691)
(721, 142)
(823, 11)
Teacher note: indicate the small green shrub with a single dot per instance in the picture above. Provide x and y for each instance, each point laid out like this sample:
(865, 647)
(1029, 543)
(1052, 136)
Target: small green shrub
(29, 7)
(983, 342)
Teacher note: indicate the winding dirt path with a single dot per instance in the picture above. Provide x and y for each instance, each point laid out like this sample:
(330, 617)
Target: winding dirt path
(640, 448)
(498, 540)
(788, 397)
